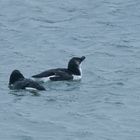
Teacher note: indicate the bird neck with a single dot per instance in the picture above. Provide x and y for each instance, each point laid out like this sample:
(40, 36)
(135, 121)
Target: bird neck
(75, 70)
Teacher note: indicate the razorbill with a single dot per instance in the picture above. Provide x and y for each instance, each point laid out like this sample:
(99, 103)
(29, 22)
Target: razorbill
(72, 72)
(17, 81)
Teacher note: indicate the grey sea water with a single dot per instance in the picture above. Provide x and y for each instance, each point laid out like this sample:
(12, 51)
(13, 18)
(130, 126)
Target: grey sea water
(36, 35)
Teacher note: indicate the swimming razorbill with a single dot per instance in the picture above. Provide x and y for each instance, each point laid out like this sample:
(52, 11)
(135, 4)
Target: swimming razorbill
(17, 81)
(72, 72)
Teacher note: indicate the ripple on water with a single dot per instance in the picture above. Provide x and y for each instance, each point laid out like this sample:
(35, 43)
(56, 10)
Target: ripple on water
(104, 105)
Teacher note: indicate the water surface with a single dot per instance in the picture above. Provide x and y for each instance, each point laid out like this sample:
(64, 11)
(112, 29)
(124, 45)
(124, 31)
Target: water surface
(36, 35)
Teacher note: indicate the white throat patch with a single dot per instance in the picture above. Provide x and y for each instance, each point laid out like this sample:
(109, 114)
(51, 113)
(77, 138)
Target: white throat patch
(78, 77)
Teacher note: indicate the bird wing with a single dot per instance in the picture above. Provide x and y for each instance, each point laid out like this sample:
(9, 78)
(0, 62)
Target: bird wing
(45, 74)
(61, 75)
(28, 83)
(51, 72)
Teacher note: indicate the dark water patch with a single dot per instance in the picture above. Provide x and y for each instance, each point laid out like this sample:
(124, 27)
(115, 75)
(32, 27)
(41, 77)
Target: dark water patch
(2, 25)
(51, 99)
(115, 94)
(23, 137)
(83, 134)
(50, 27)
(17, 19)
(51, 21)
(124, 46)
(19, 93)
(114, 102)
(13, 31)
(59, 85)
(68, 9)
(110, 24)
(42, 20)
(83, 38)
(103, 54)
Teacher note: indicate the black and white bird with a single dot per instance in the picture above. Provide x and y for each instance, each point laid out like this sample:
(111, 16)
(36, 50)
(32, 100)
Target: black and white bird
(17, 81)
(72, 72)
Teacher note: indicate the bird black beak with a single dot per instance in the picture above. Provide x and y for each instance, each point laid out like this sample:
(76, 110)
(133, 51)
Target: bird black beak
(82, 58)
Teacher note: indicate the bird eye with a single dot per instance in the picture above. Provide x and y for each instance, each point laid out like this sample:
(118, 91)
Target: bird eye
(77, 62)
